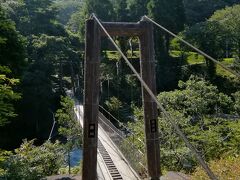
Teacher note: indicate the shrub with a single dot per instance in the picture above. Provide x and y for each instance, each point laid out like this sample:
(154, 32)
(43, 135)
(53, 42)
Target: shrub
(224, 168)
(32, 162)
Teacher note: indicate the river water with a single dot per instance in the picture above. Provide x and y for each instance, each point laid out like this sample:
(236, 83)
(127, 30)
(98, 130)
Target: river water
(75, 157)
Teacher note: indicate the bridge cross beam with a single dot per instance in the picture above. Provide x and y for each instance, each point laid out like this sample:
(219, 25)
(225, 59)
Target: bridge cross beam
(144, 31)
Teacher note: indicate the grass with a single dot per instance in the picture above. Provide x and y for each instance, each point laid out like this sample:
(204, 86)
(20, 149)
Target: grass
(114, 55)
(222, 72)
(228, 61)
(191, 57)
(195, 58)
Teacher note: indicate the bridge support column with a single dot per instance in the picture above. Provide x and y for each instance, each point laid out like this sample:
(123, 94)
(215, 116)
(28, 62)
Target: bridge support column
(150, 107)
(91, 100)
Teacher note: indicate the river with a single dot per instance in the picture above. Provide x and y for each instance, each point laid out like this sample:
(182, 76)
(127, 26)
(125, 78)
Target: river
(75, 157)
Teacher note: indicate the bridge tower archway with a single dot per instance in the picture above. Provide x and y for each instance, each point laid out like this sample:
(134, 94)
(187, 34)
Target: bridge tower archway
(144, 30)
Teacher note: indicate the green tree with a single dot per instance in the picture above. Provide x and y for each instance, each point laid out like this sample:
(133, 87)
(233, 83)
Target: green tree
(229, 18)
(65, 9)
(120, 10)
(4, 155)
(32, 162)
(7, 95)
(12, 45)
(51, 57)
(11, 6)
(210, 37)
(137, 9)
(198, 11)
(121, 15)
(169, 14)
(54, 67)
(102, 8)
(38, 98)
(196, 97)
(37, 17)
(75, 23)
(113, 104)
(195, 108)
(60, 53)
(69, 126)
(237, 102)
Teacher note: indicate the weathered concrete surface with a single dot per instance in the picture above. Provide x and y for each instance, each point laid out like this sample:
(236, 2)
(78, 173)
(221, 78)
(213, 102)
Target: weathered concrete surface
(64, 177)
(175, 176)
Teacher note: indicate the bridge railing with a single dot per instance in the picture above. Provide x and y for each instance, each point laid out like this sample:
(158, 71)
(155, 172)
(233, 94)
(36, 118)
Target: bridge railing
(132, 154)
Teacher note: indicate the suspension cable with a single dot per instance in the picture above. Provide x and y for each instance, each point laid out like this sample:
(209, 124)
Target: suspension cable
(167, 115)
(193, 47)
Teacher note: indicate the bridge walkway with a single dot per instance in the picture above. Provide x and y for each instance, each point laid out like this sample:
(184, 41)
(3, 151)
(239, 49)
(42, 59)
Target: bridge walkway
(111, 164)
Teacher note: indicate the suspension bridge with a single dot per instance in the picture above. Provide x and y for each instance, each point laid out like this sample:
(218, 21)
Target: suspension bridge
(111, 163)
(103, 156)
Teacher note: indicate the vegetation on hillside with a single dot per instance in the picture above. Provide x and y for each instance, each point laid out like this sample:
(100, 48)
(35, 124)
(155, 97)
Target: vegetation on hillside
(199, 109)
(32, 162)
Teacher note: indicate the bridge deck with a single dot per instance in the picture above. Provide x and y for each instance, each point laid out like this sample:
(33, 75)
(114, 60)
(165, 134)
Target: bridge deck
(111, 164)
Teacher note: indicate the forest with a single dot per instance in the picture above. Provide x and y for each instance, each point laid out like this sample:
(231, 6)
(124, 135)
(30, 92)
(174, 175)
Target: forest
(42, 44)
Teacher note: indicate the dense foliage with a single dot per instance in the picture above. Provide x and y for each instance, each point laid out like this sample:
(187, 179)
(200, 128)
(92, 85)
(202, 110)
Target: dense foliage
(198, 11)
(7, 95)
(45, 60)
(69, 126)
(10, 67)
(9, 37)
(225, 168)
(200, 111)
(228, 18)
(30, 162)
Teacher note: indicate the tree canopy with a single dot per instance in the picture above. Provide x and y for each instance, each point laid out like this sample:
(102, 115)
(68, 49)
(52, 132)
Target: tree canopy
(228, 18)
(7, 95)
(9, 37)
